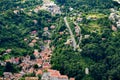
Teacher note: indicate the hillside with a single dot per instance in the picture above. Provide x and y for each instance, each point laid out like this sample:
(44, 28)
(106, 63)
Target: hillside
(69, 39)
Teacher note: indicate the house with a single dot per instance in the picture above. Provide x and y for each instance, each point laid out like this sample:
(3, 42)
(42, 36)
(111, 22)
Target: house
(8, 75)
(79, 19)
(53, 75)
(61, 33)
(2, 63)
(31, 44)
(52, 27)
(86, 36)
(70, 8)
(1, 78)
(36, 38)
(69, 41)
(86, 71)
(35, 21)
(8, 50)
(72, 78)
(31, 70)
(16, 11)
(34, 41)
(45, 28)
(34, 32)
(46, 33)
(15, 60)
(46, 65)
(39, 72)
(39, 62)
(103, 39)
(25, 59)
(77, 30)
(114, 28)
(25, 66)
(31, 78)
(118, 24)
(112, 16)
(36, 53)
(25, 39)
(17, 76)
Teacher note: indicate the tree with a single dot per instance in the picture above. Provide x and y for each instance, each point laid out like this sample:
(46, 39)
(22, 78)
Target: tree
(35, 66)
(11, 68)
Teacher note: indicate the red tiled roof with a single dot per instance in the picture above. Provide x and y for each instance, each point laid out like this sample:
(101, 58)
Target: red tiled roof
(45, 28)
(8, 50)
(46, 65)
(61, 33)
(52, 27)
(36, 52)
(34, 32)
(34, 41)
(39, 61)
(72, 78)
(31, 70)
(39, 72)
(63, 77)
(114, 28)
(55, 73)
(17, 59)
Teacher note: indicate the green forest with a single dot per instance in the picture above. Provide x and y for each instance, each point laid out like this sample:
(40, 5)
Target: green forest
(100, 56)
(100, 52)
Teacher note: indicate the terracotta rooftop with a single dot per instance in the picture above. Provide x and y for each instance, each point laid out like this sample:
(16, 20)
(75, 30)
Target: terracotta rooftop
(39, 61)
(39, 72)
(46, 65)
(45, 28)
(52, 27)
(34, 32)
(63, 76)
(72, 78)
(55, 73)
(36, 52)
(34, 41)
(8, 50)
(114, 28)
(31, 78)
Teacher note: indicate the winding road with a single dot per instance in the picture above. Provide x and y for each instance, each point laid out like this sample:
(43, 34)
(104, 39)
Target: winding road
(80, 39)
(71, 34)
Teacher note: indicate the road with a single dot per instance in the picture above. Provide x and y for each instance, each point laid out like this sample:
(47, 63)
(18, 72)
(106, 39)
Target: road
(80, 32)
(71, 34)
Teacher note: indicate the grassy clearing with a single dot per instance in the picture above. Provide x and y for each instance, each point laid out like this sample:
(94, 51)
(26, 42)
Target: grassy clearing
(96, 15)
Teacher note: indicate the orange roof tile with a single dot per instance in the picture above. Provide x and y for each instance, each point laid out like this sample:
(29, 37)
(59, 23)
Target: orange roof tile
(72, 78)
(114, 28)
(52, 27)
(45, 28)
(39, 72)
(39, 61)
(34, 41)
(36, 52)
(63, 76)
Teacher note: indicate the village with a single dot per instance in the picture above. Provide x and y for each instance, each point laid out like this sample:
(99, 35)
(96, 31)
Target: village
(38, 64)
(41, 60)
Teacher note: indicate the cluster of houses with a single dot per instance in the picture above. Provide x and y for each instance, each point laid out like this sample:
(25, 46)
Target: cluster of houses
(117, 1)
(27, 64)
(42, 60)
(115, 17)
(49, 6)
(54, 75)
